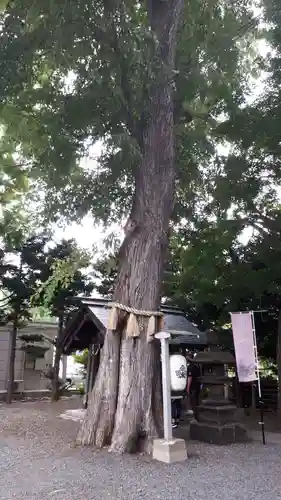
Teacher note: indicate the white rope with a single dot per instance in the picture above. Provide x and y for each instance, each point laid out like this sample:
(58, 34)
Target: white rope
(133, 310)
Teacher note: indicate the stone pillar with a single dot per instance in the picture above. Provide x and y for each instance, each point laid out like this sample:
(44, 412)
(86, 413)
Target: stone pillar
(169, 449)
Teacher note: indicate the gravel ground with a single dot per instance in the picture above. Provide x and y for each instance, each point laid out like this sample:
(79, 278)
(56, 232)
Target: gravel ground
(39, 462)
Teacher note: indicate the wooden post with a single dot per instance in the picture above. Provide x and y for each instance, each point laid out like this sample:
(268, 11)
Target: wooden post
(95, 366)
(64, 367)
(238, 395)
(88, 377)
(253, 399)
(92, 366)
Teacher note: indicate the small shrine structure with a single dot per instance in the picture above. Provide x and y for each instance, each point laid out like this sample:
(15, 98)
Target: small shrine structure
(86, 327)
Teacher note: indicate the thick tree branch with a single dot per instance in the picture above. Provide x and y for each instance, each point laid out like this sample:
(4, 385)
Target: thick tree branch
(132, 123)
(5, 300)
(163, 18)
(269, 223)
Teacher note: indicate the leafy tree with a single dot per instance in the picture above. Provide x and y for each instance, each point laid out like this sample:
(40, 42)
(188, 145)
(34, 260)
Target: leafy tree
(63, 279)
(105, 274)
(41, 313)
(248, 182)
(154, 103)
(208, 81)
(13, 178)
(20, 276)
(82, 359)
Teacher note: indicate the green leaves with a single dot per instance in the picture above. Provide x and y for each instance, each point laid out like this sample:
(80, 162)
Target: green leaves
(79, 73)
(21, 264)
(3, 5)
(85, 75)
(82, 359)
(61, 278)
(31, 274)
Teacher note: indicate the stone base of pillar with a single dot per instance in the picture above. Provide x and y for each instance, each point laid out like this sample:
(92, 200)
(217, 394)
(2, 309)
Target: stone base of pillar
(76, 415)
(169, 451)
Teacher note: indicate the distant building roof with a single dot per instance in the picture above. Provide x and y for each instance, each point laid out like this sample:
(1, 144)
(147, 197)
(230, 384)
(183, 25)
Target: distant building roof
(45, 328)
(88, 324)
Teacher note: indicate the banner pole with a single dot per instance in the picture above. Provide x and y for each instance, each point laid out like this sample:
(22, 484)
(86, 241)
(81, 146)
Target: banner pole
(261, 407)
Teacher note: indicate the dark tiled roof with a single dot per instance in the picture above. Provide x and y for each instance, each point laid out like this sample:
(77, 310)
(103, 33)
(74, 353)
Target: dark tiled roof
(175, 322)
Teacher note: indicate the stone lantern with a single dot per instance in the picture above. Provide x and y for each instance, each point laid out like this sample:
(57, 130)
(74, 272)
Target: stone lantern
(217, 418)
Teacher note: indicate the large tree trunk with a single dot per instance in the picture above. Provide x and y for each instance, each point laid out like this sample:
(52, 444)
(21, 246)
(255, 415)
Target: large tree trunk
(124, 407)
(11, 361)
(278, 349)
(56, 367)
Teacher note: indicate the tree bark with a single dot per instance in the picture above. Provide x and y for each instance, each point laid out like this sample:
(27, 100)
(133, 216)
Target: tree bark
(124, 407)
(278, 349)
(11, 360)
(56, 367)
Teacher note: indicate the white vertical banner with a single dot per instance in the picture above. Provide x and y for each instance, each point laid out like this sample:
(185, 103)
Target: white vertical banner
(245, 346)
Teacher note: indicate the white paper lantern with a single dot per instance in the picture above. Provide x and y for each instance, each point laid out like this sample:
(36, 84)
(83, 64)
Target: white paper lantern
(178, 369)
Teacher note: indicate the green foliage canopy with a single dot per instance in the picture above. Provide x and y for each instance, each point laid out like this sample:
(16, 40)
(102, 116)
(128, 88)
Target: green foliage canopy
(84, 75)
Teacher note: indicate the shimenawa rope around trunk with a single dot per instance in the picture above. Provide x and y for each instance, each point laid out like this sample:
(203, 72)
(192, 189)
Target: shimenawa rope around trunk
(155, 322)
